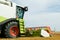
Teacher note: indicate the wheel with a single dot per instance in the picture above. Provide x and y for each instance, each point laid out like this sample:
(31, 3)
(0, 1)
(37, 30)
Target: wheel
(11, 30)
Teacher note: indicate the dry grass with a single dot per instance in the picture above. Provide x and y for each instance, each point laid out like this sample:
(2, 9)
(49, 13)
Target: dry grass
(55, 36)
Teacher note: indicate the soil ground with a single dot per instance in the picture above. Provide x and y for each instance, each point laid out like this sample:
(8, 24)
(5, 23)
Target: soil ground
(55, 36)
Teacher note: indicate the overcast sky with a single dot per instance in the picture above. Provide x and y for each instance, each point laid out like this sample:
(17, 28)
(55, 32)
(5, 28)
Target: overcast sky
(41, 13)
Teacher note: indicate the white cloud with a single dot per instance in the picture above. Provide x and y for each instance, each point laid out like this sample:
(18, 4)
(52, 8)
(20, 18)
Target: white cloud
(53, 6)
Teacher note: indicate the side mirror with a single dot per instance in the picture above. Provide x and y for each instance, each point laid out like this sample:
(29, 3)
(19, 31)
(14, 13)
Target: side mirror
(26, 8)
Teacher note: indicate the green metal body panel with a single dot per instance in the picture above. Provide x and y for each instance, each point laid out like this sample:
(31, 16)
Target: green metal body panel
(21, 25)
(22, 29)
(2, 18)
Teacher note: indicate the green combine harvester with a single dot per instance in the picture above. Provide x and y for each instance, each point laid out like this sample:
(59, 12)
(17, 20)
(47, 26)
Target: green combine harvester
(11, 20)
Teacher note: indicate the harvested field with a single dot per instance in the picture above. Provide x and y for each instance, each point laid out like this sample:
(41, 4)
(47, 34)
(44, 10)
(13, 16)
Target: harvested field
(55, 36)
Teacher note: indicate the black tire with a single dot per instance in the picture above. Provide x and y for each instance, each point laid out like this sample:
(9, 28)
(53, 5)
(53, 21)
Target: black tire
(11, 30)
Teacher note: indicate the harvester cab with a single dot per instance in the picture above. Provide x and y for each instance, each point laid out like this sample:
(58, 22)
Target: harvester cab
(20, 11)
